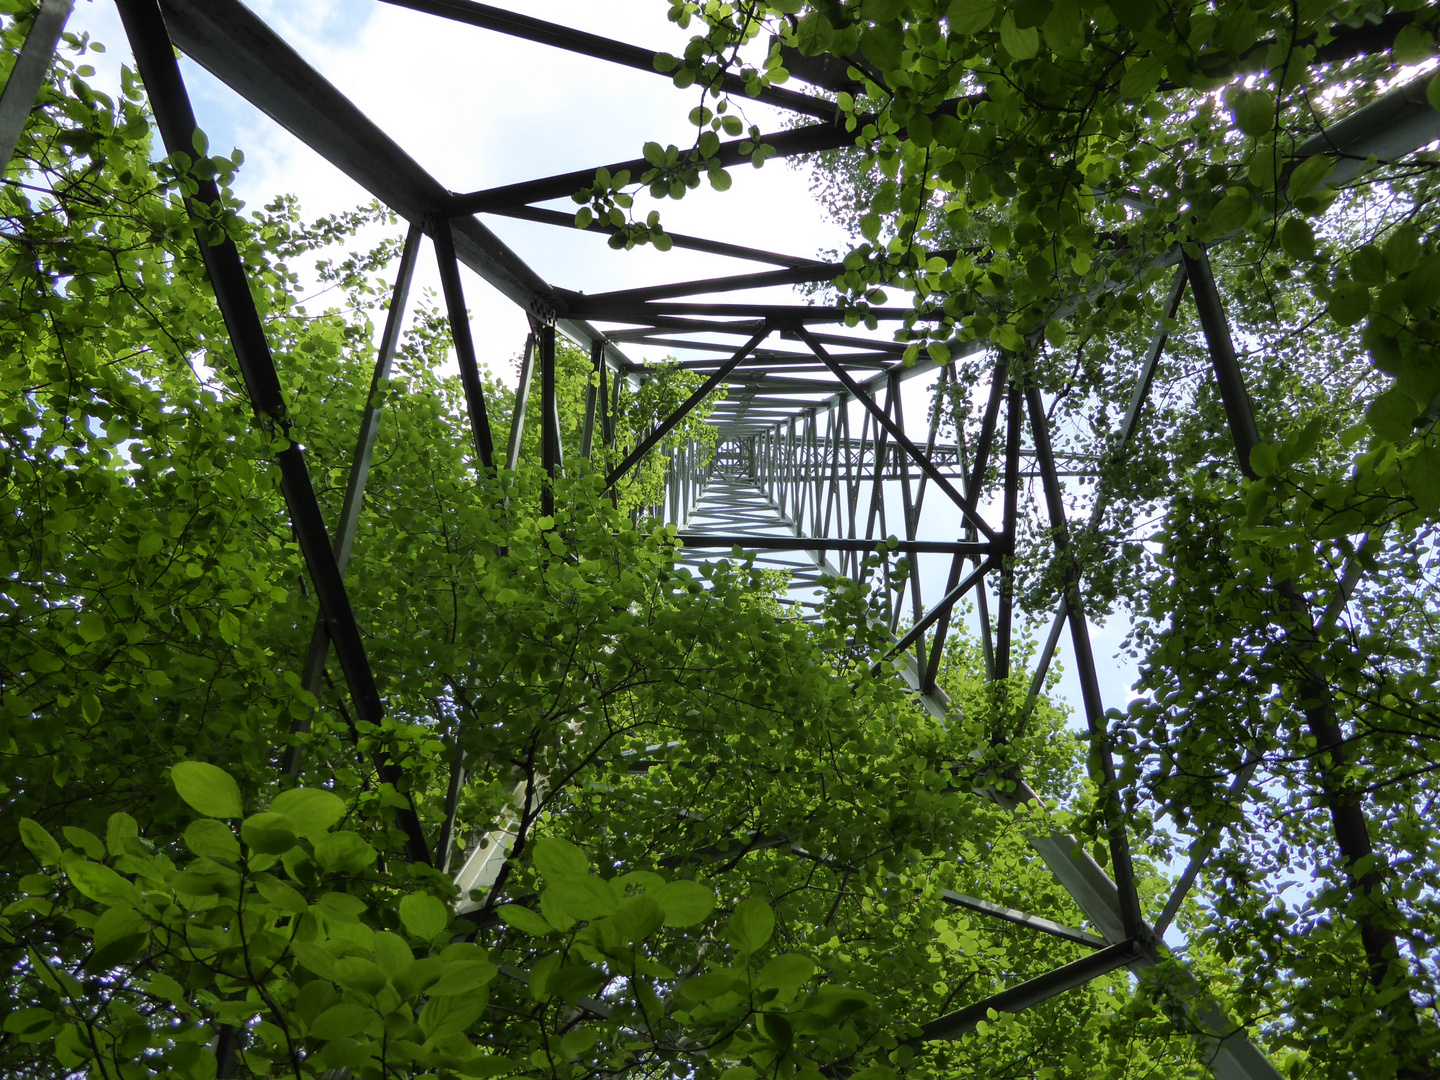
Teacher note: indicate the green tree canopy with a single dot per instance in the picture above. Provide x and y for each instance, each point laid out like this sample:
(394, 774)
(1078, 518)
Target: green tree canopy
(722, 847)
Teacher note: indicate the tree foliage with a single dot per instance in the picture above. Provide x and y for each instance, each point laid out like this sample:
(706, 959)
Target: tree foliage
(724, 846)
(1029, 174)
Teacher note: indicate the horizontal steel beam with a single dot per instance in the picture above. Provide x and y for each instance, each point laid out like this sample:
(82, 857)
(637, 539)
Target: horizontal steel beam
(806, 140)
(1031, 993)
(751, 542)
(1020, 918)
(616, 52)
(680, 240)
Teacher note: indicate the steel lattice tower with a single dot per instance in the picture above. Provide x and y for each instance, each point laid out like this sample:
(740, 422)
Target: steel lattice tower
(811, 427)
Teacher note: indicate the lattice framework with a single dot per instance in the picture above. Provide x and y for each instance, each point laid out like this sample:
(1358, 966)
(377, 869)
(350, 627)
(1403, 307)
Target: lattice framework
(796, 478)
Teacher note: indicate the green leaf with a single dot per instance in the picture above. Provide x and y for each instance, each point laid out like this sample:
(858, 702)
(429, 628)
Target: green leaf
(41, 844)
(361, 974)
(1309, 175)
(206, 836)
(343, 853)
(638, 917)
(120, 934)
(582, 898)
(424, 916)
(1264, 459)
(837, 1002)
(1349, 303)
(1413, 45)
(1422, 477)
(524, 920)
(268, 833)
(392, 953)
(751, 925)
(883, 45)
(1298, 239)
(463, 977)
(102, 884)
(342, 1021)
(1231, 214)
(1022, 44)
(1065, 29)
(29, 1020)
(209, 790)
(557, 859)
(1392, 415)
(1142, 75)
(970, 16)
(120, 829)
(789, 971)
(311, 810)
(684, 903)
(1008, 337)
(711, 985)
(92, 627)
(1255, 112)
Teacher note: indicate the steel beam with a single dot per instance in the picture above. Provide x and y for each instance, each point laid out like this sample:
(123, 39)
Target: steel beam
(313, 673)
(28, 74)
(1020, 918)
(680, 240)
(464, 344)
(664, 427)
(522, 403)
(804, 140)
(896, 433)
(601, 48)
(1103, 765)
(169, 101)
(588, 303)
(757, 542)
(1032, 992)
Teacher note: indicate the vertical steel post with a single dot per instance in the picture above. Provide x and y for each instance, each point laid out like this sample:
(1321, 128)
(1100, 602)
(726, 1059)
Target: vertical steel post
(550, 454)
(313, 673)
(593, 392)
(1102, 763)
(464, 343)
(1006, 614)
(522, 403)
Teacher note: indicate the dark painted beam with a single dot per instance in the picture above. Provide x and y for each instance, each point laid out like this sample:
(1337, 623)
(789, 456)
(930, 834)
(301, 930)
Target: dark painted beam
(583, 304)
(615, 52)
(664, 427)
(464, 343)
(28, 73)
(1031, 993)
(761, 542)
(170, 102)
(679, 240)
(806, 140)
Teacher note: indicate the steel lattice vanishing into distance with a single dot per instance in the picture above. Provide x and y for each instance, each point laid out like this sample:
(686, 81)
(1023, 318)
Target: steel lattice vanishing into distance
(813, 467)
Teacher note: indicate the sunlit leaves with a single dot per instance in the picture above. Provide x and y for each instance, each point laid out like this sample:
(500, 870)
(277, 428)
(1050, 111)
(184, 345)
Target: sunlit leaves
(208, 789)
